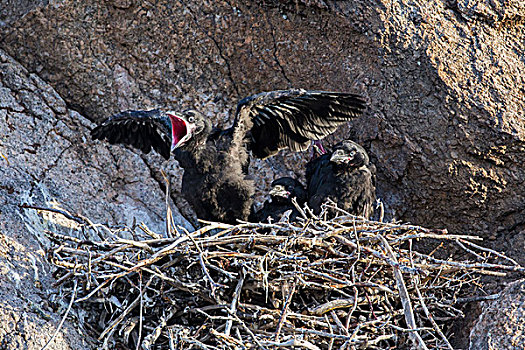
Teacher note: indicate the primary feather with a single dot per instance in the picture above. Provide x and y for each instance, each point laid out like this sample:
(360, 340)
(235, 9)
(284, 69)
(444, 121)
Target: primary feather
(215, 161)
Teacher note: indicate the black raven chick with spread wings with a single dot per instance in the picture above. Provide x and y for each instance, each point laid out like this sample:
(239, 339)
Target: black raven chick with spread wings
(282, 192)
(215, 161)
(345, 176)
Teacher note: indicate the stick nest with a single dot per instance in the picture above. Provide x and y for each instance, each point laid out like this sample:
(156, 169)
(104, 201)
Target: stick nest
(343, 283)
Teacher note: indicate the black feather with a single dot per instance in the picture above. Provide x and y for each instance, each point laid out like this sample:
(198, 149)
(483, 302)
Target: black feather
(350, 185)
(293, 117)
(276, 206)
(140, 129)
(215, 161)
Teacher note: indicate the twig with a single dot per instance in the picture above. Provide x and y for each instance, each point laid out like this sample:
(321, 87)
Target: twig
(424, 306)
(405, 299)
(292, 343)
(282, 319)
(233, 306)
(54, 210)
(124, 313)
(503, 256)
(517, 268)
(141, 308)
(63, 317)
(151, 338)
(478, 298)
(315, 283)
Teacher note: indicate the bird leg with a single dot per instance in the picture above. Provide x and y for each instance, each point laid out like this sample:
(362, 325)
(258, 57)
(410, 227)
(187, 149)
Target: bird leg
(318, 149)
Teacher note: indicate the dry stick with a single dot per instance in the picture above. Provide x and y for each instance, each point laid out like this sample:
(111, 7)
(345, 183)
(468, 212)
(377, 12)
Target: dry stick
(151, 338)
(140, 310)
(196, 343)
(169, 215)
(64, 317)
(171, 340)
(282, 319)
(293, 343)
(233, 306)
(469, 250)
(478, 298)
(57, 237)
(249, 331)
(162, 253)
(299, 209)
(99, 287)
(63, 278)
(517, 268)
(390, 261)
(354, 307)
(338, 322)
(227, 340)
(138, 244)
(338, 304)
(110, 254)
(352, 270)
(433, 236)
(405, 299)
(213, 284)
(346, 283)
(323, 334)
(332, 341)
(423, 304)
(58, 211)
(124, 313)
(503, 256)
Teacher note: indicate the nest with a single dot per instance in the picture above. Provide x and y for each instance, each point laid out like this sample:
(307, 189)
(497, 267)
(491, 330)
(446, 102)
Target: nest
(343, 283)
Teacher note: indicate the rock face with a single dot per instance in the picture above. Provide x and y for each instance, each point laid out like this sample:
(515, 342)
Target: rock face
(47, 160)
(445, 81)
(500, 325)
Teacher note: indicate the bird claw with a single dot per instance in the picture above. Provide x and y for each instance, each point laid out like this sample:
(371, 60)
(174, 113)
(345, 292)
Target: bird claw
(318, 149)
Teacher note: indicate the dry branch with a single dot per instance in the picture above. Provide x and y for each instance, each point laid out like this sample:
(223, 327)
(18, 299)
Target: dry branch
(314, 284)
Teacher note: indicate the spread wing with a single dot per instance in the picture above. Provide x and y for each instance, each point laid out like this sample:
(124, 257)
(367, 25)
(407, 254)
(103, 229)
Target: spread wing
(291, 118)
(143, 130)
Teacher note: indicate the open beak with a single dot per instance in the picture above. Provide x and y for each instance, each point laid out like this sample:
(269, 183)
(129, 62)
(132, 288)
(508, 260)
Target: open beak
(181, 131)
(279, 191)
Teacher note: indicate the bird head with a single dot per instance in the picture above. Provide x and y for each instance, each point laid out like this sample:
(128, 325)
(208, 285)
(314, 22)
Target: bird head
(285, 188)
(185, 126)
(349, 154)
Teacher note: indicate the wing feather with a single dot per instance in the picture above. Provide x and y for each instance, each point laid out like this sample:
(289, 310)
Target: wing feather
(291, 118)
(143, 130)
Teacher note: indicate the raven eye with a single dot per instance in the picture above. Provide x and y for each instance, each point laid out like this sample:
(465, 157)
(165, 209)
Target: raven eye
(191, 119)
(352, 153)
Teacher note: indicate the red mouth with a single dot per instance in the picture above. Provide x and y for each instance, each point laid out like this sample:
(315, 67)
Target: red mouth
(178, 130)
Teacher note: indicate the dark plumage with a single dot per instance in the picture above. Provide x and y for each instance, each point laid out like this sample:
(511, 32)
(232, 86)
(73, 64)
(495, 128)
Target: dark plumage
(281, 194)
(215, 161)
(345, 176)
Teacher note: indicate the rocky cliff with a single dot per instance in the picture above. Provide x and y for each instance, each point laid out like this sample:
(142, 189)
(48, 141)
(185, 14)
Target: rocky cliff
(445, 81)
(47, 160)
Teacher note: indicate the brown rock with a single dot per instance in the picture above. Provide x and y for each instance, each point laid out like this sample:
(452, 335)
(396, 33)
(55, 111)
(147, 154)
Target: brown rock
(445, 85)
(500, 325)
(48, 160)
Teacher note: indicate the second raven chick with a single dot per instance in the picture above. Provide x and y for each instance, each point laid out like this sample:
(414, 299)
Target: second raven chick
(281, 194)
(344, 176)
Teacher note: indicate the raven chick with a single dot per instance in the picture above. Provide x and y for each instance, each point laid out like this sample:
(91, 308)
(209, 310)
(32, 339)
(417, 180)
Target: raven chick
(281, 194)
(344, 176)
(215, 161)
